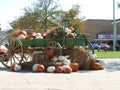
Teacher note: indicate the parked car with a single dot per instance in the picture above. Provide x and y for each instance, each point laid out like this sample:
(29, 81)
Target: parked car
(96, 46)
(104, 46)
(3, 53)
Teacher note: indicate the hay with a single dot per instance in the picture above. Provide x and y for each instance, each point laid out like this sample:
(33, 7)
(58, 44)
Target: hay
(79, 55)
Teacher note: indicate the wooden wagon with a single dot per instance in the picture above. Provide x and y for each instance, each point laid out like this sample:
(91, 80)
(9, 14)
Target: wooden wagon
(21, 50)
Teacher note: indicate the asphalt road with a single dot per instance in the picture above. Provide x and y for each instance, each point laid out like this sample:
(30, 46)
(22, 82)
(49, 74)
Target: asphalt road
(108, 79)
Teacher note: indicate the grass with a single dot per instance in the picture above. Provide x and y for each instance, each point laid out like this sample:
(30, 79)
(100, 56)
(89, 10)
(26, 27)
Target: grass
(108, 54)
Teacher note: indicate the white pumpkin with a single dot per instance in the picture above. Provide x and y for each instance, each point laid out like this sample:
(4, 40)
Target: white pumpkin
(34, 68)
(15, 67)
(66, 66)
(67, 30)
(51, 69)
(66, 62)
(102, 64)
(21, 36)
(93, 56)
(54, 59)
(61, 58)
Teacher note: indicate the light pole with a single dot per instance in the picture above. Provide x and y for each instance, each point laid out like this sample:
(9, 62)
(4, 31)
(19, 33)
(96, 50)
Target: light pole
(114, 28)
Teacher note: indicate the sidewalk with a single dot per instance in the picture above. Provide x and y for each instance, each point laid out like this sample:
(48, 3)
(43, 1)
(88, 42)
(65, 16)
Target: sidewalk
(82, 80)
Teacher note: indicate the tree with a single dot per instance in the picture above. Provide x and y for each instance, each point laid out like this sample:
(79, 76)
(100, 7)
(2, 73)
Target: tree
(72, 18)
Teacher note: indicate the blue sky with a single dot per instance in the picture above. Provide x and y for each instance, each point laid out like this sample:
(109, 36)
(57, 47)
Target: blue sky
(90, 9)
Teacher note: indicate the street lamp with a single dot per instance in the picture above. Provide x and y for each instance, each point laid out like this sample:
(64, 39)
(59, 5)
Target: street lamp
(114, 28)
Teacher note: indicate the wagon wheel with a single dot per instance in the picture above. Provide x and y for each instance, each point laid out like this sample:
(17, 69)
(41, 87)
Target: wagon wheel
(14, 51)
(27, 54)
(55, 46)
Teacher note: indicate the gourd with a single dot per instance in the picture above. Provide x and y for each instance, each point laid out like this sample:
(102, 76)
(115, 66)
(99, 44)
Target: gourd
(95, 65)
(74, 66)
(15, 67)
(51, 69)
(59, 69)
(40, 68)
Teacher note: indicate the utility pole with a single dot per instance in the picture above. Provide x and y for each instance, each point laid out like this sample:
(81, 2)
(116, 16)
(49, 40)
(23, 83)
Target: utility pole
(114, 28)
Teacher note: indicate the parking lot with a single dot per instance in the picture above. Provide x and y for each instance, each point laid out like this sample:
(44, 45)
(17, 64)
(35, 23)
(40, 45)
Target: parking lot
(107, 79)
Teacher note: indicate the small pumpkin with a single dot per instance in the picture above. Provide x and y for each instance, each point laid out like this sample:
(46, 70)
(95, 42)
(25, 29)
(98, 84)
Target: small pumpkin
(15, 67)
(67, 70)
(50, 52)
(72, 29)
(95, 65)
(54, 58)
(34, 67)
(51, 69)
(40, 68)
(22, 33)
(71, 35)
(74, 66)
(59, 69)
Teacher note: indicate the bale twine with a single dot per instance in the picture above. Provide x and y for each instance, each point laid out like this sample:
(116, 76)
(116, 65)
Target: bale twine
(79, 55)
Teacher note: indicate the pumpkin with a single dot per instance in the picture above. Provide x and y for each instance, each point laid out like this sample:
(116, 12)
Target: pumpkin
(95, 65)
(71, 35)
(74, 66)
(59, 69)
(15, 67)
(93, 56)
(102, 64)
(66, 62)
(34, 67)
(72, 29)
(67, 70)
(54, 58)
(22, 33)
(67, 30)
(21, 36)
(61, 58)
(50, 52)
(32, 35)
(51, 69)
(40, 68)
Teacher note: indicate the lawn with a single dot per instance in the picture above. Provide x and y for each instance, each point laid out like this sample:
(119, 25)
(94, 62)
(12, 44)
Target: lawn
(108, 54)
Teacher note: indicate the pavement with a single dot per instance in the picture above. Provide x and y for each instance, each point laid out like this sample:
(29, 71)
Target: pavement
(107, 79)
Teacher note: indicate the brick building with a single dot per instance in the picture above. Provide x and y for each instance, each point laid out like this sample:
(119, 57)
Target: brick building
(101, 30)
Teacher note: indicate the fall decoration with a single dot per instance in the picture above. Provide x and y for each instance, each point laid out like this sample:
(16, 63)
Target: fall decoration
(95, 65)
(40, 68)
(51, 69)
(35, 66)
(74, 66)
(15, 67)
(59, 69)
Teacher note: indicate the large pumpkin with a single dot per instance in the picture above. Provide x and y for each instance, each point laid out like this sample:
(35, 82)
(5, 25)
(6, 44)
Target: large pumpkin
(74, 66)
(40, 68)
(59, 69)
(95, 66)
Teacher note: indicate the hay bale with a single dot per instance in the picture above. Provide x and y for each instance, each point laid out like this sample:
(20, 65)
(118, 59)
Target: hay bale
(79, 55)
(40, 57)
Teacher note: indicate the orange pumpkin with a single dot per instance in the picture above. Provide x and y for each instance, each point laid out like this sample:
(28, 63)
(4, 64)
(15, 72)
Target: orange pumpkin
(95, 66)
(50, 53)
(22, 33)
(71, 35)
(74, 66)
(32, 35)
(68, 70)
(40, 68)
(12, 67)
(59, 69)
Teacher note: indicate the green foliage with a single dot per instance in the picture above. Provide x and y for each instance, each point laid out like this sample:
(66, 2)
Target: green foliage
(46, 14)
